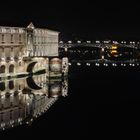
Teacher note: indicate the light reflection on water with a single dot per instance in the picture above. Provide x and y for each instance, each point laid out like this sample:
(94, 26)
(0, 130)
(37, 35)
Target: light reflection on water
(104, 57)
(23, 100)
(114, 53)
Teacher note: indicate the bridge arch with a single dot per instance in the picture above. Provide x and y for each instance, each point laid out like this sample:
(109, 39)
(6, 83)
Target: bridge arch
(31, 66)
(31, 84)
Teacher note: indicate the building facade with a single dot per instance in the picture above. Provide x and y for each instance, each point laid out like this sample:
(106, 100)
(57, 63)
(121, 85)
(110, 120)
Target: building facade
(20, 47)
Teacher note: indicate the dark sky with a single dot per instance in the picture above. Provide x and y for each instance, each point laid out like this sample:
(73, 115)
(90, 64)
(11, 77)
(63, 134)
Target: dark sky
(85, 20)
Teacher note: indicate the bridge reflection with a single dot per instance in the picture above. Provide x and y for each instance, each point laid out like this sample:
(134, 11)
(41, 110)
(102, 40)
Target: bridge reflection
(112, 52)
(28, 99)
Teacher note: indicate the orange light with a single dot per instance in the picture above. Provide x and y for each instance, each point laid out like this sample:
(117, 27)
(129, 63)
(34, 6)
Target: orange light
(114, 47)
(114, 51)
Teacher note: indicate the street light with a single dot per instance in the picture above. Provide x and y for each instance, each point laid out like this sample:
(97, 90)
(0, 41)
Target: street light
(61, 42)
(69, 41)
(88, 41)
(78, 41)
(97, 41)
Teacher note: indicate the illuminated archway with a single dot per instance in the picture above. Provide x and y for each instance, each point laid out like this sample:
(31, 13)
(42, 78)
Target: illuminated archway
(11, 68)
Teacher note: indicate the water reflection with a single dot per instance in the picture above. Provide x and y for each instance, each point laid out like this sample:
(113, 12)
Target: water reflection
(23, 100)
(113, 56)
(112, 53)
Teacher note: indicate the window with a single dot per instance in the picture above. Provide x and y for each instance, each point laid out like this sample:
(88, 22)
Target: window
(3, 38)
(12, 31)
(2, 86)
(11, 85)
(21, 31)
(11, 68)
(20, 38)
(35, 39)
(2, 69)
(11, 113)
(3, 30)
(2, 117)
(12, 38)
(19, 63)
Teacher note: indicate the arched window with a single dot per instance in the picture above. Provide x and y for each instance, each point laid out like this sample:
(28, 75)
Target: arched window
(19, 87)
(11, 85)
(2, 86)
(2, 69)
(11, 68)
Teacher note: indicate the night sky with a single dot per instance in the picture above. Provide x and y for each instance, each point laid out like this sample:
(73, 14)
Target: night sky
(76, 20)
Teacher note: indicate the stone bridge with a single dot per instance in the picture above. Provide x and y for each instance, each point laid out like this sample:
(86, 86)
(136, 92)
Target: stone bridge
(98, 44)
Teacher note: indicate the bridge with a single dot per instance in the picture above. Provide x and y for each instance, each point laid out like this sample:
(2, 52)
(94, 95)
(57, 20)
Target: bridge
(99, 44)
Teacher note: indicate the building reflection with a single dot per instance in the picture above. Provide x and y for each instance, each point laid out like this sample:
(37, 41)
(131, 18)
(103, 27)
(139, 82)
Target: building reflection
(23, 100)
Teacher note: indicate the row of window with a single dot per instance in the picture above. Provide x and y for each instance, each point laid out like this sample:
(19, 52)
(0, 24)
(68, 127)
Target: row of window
(11, 85)
(11, 30)
(44, 40)
(11, 58)
(43, 32)
(13, 114)
(3, 68)
(11, 38)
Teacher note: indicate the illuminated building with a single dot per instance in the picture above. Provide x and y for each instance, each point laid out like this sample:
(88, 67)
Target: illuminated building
(114, 47)
(26, 50)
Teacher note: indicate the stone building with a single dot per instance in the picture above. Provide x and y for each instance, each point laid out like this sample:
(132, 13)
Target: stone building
(24, 50)
(41, 42)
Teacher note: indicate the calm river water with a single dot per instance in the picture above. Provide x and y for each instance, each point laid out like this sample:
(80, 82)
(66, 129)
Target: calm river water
(98, 94)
